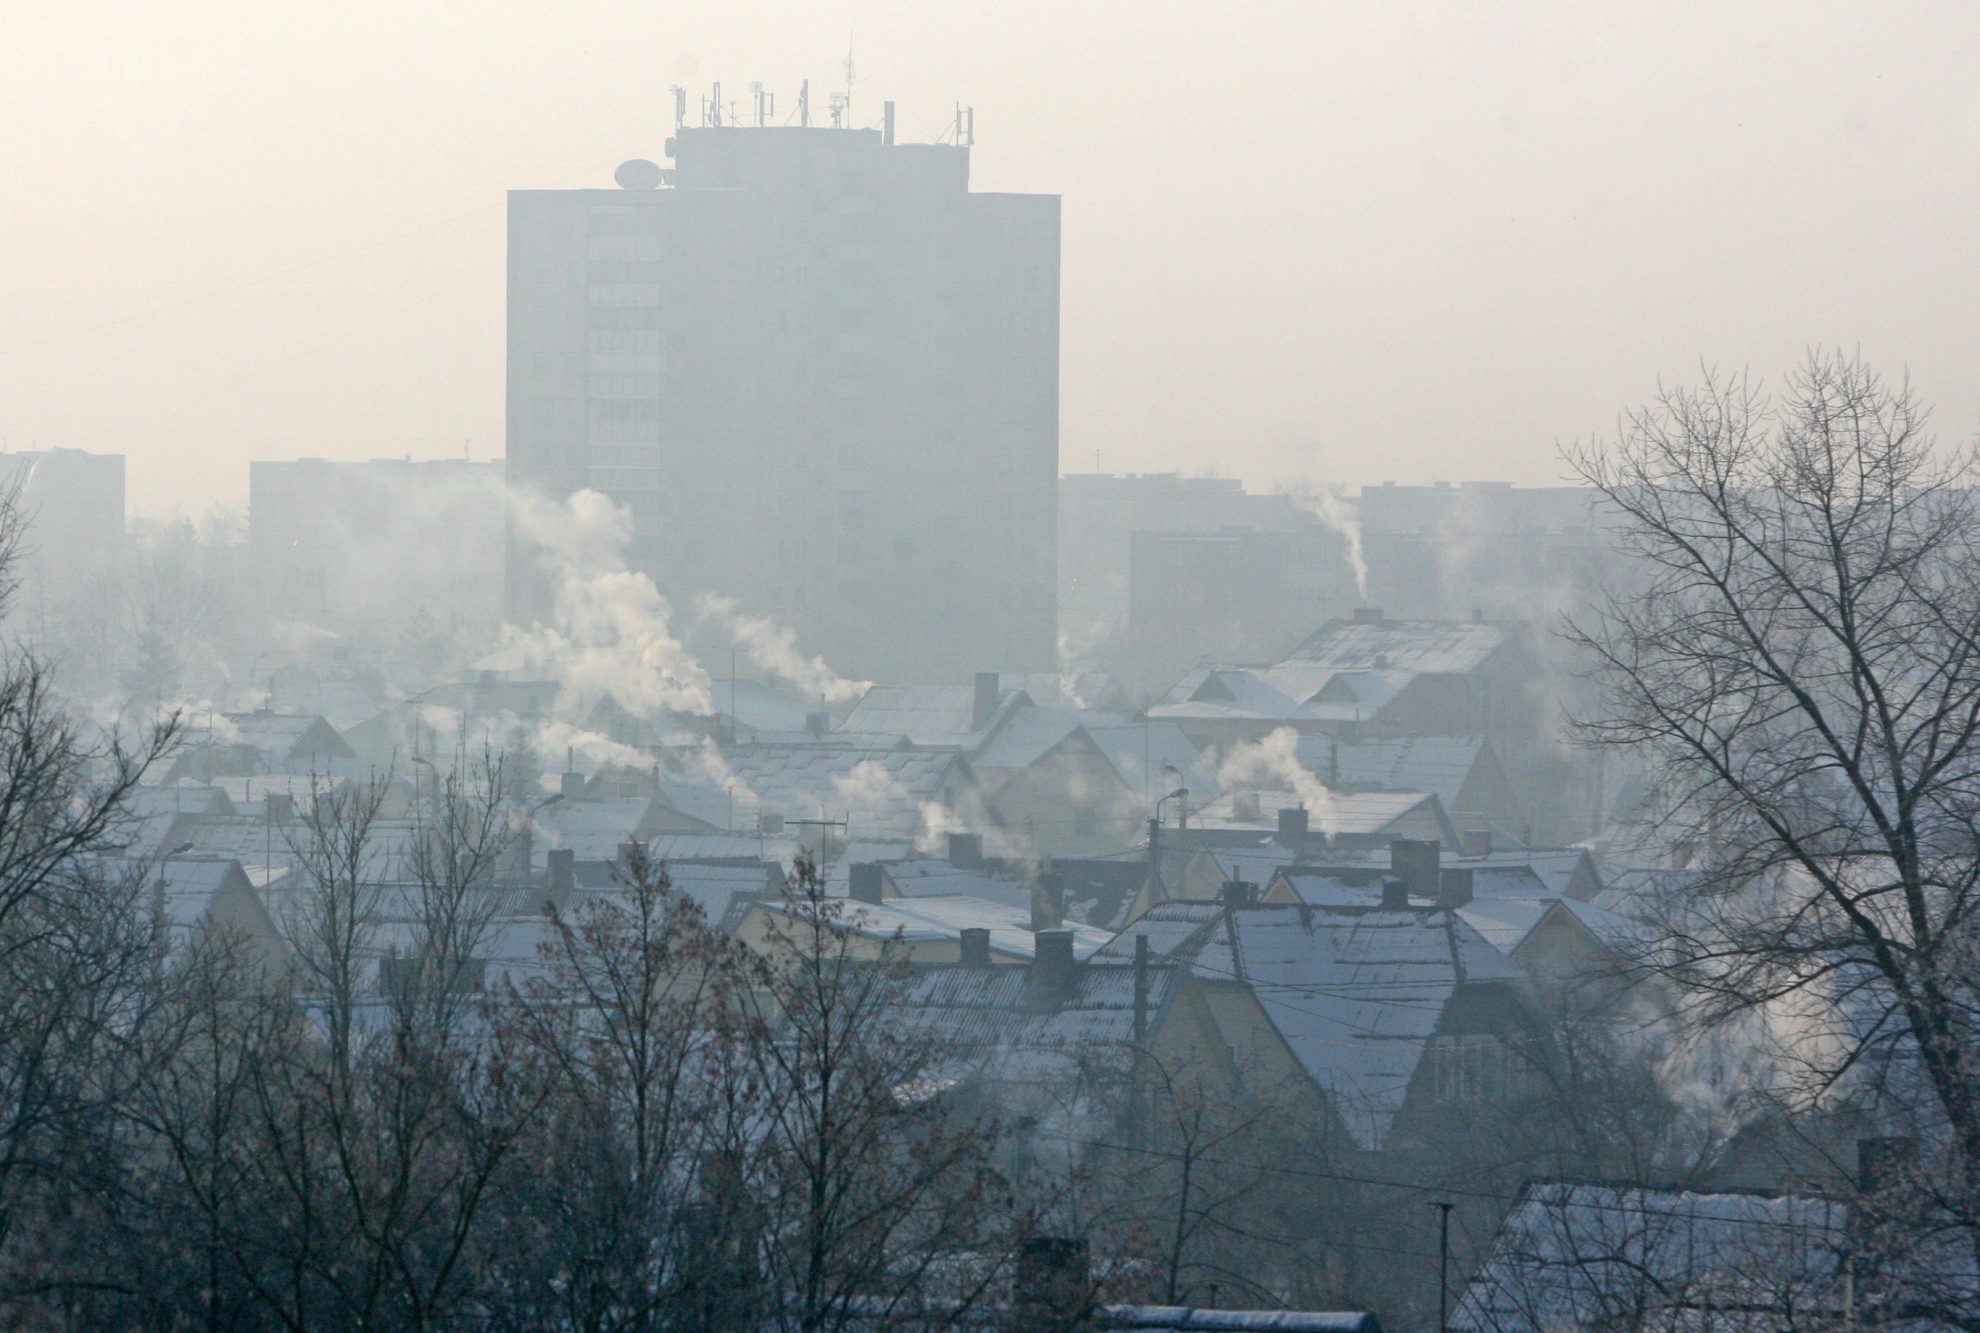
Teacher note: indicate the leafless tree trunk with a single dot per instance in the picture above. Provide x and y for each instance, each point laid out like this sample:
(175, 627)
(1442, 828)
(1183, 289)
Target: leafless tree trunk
(1804, 666)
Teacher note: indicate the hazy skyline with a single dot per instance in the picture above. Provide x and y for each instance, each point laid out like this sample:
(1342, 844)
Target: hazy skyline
(1330, 242)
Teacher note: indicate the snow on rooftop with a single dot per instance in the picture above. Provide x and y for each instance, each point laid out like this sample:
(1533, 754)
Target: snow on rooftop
(1581, 1255)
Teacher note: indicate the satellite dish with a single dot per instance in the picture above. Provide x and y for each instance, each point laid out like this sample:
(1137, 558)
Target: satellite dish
(638, 174)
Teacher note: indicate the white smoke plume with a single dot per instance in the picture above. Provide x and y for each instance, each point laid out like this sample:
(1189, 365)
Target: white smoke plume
(1271, 764)
(1332, 507)
(554, 742)
(609, 632)
(773, 648)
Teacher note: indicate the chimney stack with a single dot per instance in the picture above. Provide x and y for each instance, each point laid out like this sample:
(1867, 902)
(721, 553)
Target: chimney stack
(563, 875)
(1454, 889)
(1368, 615)
(966, 850)
(1051, 979)
(1292, 823)
(281, 807)
(1048, 902)
(1885, 1164)
(1395, 895)
(1238, 893)
(1475, 843)
(570, 784)
(976, 946)
(983, 706)
(1417, 863)
(865, 885)
(1052, 1286)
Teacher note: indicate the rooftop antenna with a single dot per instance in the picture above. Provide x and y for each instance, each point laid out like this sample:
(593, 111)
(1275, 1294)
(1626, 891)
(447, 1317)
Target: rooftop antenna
(715, 101)
(969, 127)
(838, 111)
(849, 76)
(766, 103)
(680, 104)
(804, 104)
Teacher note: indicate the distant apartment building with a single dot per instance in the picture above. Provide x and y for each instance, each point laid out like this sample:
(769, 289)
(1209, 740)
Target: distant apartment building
(388, 546)
(1160, 572)
(73, 506)
(1483, 548)
(822, 375)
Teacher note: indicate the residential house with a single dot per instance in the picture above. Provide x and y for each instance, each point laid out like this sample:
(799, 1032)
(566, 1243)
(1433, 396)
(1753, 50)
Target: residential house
(1385, 1016)
(1596, 1256)
(1369, 678)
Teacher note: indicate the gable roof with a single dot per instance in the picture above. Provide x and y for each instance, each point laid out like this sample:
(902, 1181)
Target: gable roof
(927, 714)
(1356, 994)
(286, 737)
(1440, 764)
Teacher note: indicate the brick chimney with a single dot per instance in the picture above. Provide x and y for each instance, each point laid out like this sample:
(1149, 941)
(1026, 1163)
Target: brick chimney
(975, 946)
(563, 876)
(1239, 893)
(1048, 902)
(1052, 1287)
(983, 703)
(1051, 979)
(865, 884)
(1416, 862)
(1454, 889)
(1886, 1164)
(1395, 895)
(1292, 822)
(966, 850)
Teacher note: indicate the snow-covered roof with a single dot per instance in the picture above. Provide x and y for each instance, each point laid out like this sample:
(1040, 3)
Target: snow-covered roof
(1506, 923)
(941, 715)
(1355, 993)
(1440, 764)
(1441, 647)
(1597, 1256)
(284, 737)
(944, 917)
(1352, 814)
(1141, 751)
(993, 1010)
(925, 877)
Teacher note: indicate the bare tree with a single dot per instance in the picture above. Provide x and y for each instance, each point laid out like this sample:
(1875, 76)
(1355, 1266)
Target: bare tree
(1803, 663)
(632, 1033)
(867, 1183)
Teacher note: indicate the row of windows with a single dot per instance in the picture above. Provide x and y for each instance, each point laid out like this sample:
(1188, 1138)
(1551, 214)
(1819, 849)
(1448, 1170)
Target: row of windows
(625, 386)
(606, 317)
(625, 340)
(631, 249)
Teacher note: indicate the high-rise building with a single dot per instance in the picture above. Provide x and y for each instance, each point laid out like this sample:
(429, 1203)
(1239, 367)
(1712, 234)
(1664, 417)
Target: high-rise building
(71, 506)
(821, 373)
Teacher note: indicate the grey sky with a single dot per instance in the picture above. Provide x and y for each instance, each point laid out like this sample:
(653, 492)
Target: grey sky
(1346, 242)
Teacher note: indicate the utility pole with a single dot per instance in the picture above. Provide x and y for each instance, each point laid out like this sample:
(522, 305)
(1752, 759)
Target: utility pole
(1443, 1265)
(1137, 1094)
